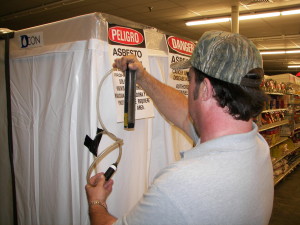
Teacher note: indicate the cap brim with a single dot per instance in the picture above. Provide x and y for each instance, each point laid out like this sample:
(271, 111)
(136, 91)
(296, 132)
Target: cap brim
(181, 65)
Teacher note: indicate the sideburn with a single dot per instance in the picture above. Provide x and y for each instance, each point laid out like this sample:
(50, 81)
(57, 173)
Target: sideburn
(196, 90)
(199, 77)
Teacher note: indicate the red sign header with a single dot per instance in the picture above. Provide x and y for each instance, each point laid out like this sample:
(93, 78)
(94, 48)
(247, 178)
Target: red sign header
(180, 45)
(125, 35)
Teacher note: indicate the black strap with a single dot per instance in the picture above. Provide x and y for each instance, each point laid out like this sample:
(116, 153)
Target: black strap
(92, 144)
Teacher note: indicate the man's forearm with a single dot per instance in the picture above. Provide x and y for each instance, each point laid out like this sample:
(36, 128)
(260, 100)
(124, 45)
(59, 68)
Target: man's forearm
(170, 102)
(100, 216)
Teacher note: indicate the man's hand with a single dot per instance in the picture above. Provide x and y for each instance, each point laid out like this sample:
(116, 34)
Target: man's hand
(133, 64)
(99, 192)
(101, 189)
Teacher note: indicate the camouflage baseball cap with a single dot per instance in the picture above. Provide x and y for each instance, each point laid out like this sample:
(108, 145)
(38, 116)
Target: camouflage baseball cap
(225, 56)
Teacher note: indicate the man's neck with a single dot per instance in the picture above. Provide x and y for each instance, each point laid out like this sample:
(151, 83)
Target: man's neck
(220, 124)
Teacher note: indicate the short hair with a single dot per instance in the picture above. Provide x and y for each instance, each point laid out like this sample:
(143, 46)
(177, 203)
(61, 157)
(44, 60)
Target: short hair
(243, 102)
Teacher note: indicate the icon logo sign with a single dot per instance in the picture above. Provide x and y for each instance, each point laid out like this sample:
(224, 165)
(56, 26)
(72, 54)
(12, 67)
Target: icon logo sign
(180, 45)
(124, 35)
(32, 40)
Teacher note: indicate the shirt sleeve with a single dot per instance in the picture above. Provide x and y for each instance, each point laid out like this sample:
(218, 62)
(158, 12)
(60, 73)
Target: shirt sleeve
(154, 208)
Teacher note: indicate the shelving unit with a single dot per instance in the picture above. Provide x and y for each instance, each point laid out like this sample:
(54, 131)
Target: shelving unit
(282, 139)
(292, 167)
(274, 110)
(274, 93)
(273, 125)
(297, 126)
(285, 152)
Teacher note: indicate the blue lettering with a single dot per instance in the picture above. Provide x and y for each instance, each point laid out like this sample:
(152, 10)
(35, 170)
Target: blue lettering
(27, 41)
(24, 41)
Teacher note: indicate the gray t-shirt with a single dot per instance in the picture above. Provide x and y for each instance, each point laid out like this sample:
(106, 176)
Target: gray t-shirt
(225, 181)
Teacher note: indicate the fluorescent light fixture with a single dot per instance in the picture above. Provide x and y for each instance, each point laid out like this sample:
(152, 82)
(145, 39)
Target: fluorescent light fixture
(227, 19)
(290, 12)
(243, 17)
(261, 15)
(294, 66)
(272, 52)
(279, 52)
(292, 51)
(208, 21)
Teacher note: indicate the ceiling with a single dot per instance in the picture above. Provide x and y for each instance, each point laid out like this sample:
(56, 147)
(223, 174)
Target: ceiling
(277, 33)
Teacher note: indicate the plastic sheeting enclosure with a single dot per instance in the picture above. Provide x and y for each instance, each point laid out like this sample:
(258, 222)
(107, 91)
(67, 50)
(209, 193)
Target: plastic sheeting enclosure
(54, 82)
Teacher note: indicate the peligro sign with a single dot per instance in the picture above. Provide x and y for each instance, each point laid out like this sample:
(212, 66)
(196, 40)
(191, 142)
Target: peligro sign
(180, 45)
(125, 35)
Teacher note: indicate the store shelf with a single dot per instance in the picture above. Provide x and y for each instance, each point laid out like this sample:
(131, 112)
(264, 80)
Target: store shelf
(282, 139)
(287, 153)
(297, 126)
(289, 93)
(272, 125)
(274, 110)
(274, 93)
(292, 166)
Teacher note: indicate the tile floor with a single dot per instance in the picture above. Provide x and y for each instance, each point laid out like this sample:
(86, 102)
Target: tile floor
(286, 208)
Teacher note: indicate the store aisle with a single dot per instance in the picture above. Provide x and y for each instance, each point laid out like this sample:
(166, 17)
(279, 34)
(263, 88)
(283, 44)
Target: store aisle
(286, 209)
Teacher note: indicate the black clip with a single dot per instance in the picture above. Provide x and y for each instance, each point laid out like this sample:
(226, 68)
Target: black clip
(91, 144)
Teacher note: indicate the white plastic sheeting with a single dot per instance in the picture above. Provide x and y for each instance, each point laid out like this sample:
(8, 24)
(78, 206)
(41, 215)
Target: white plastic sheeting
(53, 108)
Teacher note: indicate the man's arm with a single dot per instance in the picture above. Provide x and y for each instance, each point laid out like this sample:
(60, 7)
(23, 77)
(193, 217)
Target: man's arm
(100, 216)
(170, 102)
(97, 196)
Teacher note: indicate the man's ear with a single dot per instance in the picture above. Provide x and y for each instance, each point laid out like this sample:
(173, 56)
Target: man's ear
(206, 89)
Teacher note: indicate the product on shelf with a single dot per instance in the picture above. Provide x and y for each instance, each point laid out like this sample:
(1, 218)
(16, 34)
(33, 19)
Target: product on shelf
(278, 172)
(293, 88)
(281, 167)
(278, 165)
(293, 158)
(272, 135)
(296, 137)
(270, 85)
(272, 117)
(297, 117)
(280, 150)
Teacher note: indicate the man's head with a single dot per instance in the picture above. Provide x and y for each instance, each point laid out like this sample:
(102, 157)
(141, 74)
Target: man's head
(233, 66)
(225, 56)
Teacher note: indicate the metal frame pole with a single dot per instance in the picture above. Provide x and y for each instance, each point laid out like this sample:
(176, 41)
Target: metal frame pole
(6, 37)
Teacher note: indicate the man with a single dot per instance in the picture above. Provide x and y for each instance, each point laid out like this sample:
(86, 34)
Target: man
(227, 178)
